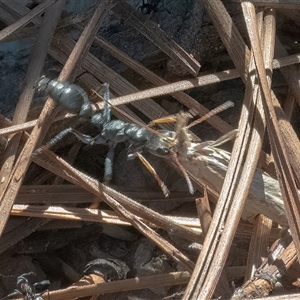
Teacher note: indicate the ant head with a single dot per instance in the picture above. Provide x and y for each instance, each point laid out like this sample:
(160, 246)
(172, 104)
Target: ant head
(41, 84)
(160, 145)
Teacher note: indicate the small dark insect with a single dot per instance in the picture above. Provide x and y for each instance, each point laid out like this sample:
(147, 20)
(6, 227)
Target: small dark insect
(69, 95)
(149, 6)
(26, 289)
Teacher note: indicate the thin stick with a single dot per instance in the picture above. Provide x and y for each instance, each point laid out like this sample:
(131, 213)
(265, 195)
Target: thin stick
(193, 83)
(28, 125)
(87, 214)
(111, 217)
(286, 4)
(203, 208)
(290, 73)
(169, 279)
(68, 194)
(258, 249)
(283, 168)
(234, 191)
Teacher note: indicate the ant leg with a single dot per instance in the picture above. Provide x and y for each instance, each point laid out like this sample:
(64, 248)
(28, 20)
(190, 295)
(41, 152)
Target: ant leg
(99, 119)
(108, 165)
(166, 119)
(153, 172)
(99, 140)
(213, 112)
(225, 138)
(84, 138)
(27, 274)
(61, 136)
(54, 141)
(106, 96)
(41, 284)
(87, 139)
(12, 295)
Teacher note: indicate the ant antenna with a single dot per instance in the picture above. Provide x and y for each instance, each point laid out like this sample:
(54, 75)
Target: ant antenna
(213, 112)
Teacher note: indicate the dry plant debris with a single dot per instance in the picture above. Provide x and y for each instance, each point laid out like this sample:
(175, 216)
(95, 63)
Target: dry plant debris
(93, 238)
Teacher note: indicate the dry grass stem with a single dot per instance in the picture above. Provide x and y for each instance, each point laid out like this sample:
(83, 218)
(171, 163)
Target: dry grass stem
(193, 83)
(17, 128)
(288, 105)
(109, 216)
(28, 125)
(262, 226)
(86, 214)
(283, 168)
(66, 194)
(282, 297)
(286, 4)
(290, 137)
(155, 281)
(223, 288)
(290, 73)
(258, 248)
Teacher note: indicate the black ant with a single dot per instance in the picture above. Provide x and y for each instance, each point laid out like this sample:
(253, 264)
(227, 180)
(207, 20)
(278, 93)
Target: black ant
(26, 289)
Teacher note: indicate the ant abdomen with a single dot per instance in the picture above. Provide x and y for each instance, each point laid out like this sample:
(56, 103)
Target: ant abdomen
(69, 95)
